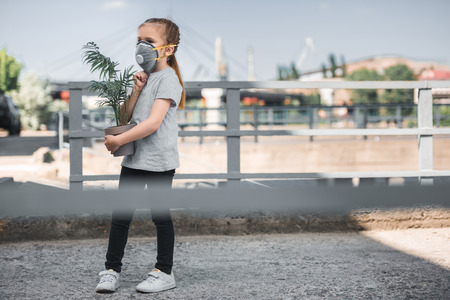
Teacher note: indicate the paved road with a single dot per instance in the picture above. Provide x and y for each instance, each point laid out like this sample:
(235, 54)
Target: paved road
(299, 266)
(25, 145)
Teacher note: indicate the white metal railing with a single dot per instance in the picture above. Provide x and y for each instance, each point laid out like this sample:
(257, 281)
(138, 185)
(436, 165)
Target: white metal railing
(353, 116)
(424, 130)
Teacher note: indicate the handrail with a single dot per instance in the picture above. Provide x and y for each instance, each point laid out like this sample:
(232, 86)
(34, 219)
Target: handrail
(423, 84)
(424, 131)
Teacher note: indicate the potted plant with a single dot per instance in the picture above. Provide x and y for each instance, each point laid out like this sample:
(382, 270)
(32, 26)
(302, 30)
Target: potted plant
(113, 90)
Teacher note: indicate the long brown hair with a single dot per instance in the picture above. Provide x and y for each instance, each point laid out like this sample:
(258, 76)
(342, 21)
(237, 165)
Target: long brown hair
(172, 34)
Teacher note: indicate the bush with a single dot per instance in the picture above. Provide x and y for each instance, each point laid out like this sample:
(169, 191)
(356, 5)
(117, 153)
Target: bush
(34, 101)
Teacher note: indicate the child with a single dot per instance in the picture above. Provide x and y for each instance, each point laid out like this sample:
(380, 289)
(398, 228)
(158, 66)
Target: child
(156, 95)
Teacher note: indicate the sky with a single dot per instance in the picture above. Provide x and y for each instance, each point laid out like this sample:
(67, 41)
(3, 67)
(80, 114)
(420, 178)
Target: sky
(47, 36)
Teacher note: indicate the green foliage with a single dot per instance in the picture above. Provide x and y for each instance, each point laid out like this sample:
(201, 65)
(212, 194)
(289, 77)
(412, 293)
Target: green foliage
(288, 73)
(365, 75)
(324, 71)
(9, 72)
(99, 62)
(444, 111)
(280, 73)
(390, 96)
(57, 105)
(333, 65)
(48, 157)
(295, 102)
(35, 102)
(313, 99)
(365, 96)
(114, 85)
(343, 66)
(399, 72)
(294, 73)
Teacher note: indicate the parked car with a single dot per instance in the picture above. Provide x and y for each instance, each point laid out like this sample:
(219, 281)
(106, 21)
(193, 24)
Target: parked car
(9, 116)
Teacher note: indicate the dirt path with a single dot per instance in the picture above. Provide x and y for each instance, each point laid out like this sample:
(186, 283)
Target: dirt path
(293, 266)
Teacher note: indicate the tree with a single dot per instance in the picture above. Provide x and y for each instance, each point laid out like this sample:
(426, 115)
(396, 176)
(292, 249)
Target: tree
(295, 74)
(392, 96)
(399, 72)
(333, 67)
(324, 71)
(288, 73)
(9, 72)
(281, 72)
(313, 99)
(35, 102)
(364, 96)
(343, 66)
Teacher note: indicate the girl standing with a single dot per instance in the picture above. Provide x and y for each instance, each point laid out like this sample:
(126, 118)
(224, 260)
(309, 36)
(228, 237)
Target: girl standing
(156, 95)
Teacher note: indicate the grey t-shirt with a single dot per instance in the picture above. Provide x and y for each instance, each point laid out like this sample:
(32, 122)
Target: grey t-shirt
(157, 152)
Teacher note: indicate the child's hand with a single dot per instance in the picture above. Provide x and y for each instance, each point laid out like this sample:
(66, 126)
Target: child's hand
(140, 78)
(112, 143)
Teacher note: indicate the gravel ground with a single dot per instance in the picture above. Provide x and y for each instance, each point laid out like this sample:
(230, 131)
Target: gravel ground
(292, 266)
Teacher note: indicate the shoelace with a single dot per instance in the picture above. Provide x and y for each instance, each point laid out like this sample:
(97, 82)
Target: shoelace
(107, 278)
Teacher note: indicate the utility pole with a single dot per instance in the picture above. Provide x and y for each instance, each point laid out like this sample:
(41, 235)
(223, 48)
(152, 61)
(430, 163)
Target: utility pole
(251, 64)
(213, 96)
(222, 67)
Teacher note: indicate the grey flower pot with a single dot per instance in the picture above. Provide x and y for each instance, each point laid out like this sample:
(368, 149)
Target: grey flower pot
(126, 149)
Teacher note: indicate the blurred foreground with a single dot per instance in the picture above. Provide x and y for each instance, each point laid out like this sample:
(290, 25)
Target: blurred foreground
(405, 264)
(24, 160)
(239, 261)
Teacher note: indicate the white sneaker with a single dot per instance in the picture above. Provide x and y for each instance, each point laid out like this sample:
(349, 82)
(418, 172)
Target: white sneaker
(156, 282)
(109, 282)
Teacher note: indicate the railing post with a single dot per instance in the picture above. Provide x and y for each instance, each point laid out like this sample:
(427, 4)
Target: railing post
(425, 120)
(437, 113)
(399, 116)
(270, 118)
(233, 142)
(255, 120)
(76, 144)
(357, 116)
(366, 119)
(330, 116)
(200, 123)
(182, 120)
(315, 121)
(60, 135)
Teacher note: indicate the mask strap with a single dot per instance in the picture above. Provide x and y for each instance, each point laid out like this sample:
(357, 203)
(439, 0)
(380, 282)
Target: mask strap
(162, 47)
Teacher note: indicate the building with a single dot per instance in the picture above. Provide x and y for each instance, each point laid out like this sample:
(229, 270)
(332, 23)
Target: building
(379, 63)
(440, 95)
(423, 70)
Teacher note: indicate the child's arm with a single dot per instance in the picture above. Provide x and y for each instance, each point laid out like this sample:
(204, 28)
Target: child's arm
(140, 79)
(145, 128)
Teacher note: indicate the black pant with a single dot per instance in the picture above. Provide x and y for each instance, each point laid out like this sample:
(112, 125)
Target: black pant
(132, 178)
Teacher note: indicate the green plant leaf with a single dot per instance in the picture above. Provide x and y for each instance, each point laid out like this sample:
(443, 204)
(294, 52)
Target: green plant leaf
(113, 85)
